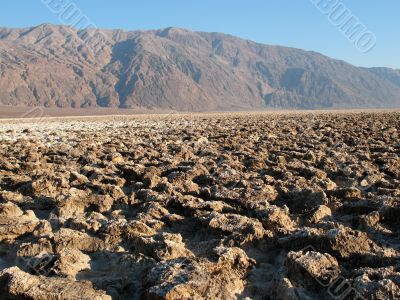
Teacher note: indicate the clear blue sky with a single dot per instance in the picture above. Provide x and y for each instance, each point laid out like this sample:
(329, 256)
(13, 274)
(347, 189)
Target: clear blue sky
(295, 23)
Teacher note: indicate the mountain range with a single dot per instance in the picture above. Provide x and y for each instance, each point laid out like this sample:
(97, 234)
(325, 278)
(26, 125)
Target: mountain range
(178, 69)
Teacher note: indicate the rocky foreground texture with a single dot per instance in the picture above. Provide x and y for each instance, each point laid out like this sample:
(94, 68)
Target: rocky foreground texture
(232, 206)
(58, 66)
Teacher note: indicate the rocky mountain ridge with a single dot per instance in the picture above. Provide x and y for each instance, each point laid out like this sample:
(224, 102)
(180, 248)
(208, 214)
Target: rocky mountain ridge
(172, 68)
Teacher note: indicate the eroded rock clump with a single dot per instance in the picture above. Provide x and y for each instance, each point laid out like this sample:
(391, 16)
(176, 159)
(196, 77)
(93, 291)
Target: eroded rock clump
(221, 206)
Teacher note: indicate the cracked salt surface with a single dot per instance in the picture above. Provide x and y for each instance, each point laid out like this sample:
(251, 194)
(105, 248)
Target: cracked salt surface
(222, 206)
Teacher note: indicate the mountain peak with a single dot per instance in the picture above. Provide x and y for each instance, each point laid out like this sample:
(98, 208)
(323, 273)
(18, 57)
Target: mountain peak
(172, 31)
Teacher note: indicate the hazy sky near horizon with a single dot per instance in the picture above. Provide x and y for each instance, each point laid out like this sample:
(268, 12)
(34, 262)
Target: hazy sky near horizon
(278, 22)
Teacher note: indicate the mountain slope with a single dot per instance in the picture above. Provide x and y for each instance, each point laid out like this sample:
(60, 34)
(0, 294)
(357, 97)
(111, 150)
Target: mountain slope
(57, 66)
(388, 74)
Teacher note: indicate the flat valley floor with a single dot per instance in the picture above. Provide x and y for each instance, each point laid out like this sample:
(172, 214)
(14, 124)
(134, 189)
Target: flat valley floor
(201, 206)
